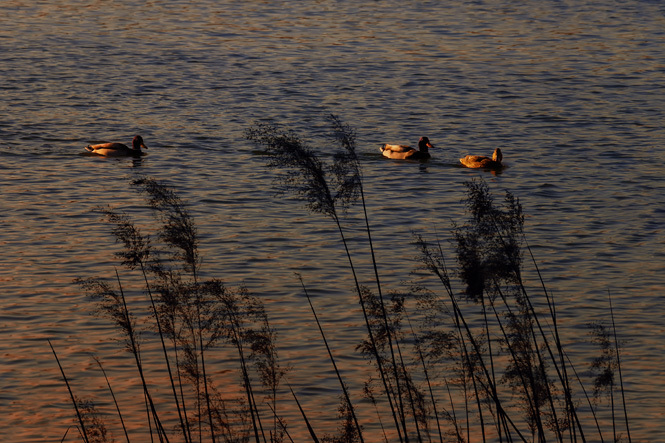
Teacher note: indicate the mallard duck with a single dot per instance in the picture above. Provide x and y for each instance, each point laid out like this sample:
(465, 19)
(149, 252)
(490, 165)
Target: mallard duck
(118, 149)
(403, 152)
(478, 161)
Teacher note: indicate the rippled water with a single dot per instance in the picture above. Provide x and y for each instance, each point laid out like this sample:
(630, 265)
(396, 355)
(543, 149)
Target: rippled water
(571, 91)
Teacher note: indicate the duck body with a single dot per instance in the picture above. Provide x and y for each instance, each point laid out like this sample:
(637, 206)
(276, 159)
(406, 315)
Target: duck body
(118, 149)
(404, 152)
(479, 161)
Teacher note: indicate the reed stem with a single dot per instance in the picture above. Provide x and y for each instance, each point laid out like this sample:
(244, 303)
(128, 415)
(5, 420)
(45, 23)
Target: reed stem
(84, 434)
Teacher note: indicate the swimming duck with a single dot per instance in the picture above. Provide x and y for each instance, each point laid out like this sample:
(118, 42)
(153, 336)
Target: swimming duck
(118, 149)
(403, 152)
(478, 161)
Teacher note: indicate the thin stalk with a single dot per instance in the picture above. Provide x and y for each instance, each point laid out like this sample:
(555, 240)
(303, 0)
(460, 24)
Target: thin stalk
(442, 274)
(66, 432)
(546, 342)
(281, 423)
(84, 434)
(273, 408)
(535, 317)
(541, 432)
(346, 137)
(616, 346)
(421, 357)
(117, 407)
(258, 414)
(409, 390)
(182, 393)
(202, 355)
(199, 402)
(179, 232)
(570, 407)
(445, 280)
(458, 434)
(166, 356)
(472, 374)
(135, 351)
(250, 396)
(383, 307)
(372, 399)
(533, 404)
(304, 416)
(476, 349)
(332, 360)
(404, 438)
(147, 414)
(588, 399)
(79, 430)
(256, 418)
(562, 378)
(614, 425)
(489, 353)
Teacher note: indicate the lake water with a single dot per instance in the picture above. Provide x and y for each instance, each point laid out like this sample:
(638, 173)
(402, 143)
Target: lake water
(571, 91)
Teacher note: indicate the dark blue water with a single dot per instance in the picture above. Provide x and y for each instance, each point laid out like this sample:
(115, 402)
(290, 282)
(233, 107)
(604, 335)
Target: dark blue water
(570, 91)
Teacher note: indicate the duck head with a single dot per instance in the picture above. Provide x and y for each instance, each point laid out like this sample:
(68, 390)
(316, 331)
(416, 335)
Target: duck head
(137, 143)
(497, 156)
(424, 144)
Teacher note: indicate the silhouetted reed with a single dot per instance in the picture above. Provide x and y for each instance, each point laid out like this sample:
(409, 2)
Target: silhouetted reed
(95, 427)
(347, 410)
(79, 415)
(512, 367)
(457, 362)
(606, 368)
(192, 319)
(115, 400)
(330, 189)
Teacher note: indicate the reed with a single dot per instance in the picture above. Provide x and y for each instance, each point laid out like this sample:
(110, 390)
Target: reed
(330, 189)
(347, 409)
(115, 400)
(468, 359)
(512, 368)
(191, 319)
(79, 415)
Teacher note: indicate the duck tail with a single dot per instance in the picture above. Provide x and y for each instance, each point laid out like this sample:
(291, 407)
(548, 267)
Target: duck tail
(89, 148)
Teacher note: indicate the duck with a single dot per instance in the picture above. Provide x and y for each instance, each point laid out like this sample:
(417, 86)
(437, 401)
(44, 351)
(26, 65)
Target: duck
(479, 161)
(404, 152)
(118, 149)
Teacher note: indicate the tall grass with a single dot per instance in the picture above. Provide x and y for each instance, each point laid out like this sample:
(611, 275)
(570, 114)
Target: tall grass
(510, 369)
(192, 319)
(478, 357)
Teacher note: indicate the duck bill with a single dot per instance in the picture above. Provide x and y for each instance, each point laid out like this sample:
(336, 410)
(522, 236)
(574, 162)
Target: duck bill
(143, 146)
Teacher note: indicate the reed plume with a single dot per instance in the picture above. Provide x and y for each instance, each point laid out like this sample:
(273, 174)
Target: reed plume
(330, 189)
(192, 318)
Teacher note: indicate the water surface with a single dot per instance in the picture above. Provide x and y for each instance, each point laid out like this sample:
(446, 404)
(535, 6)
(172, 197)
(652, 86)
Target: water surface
(571, 92)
